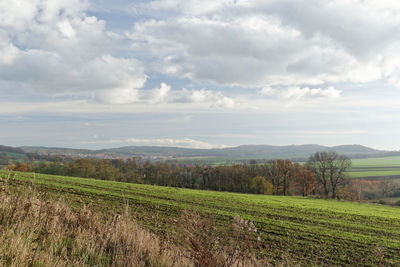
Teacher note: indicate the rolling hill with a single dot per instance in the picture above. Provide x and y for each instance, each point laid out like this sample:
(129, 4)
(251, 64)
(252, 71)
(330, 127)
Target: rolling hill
(243, 152)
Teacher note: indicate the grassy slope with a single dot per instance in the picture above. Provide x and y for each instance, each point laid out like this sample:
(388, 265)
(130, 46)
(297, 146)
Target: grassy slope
(309, 230)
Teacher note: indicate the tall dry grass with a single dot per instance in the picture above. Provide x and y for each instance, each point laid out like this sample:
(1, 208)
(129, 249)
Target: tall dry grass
(206, 245)
(37, 231)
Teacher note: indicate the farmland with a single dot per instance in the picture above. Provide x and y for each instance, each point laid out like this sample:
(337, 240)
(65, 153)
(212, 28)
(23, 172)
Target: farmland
(310, 231)
(375, 167)
(361, 168)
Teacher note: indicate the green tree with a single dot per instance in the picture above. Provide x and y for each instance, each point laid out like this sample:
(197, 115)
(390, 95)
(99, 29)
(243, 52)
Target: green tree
(259, 185)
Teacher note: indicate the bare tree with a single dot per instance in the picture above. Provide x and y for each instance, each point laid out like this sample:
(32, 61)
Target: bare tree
(330, 169)
(338, 166)
(388, 187)
(319, 163)
(280, 172)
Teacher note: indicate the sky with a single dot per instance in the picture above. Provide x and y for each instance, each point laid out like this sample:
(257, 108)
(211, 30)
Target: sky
(201, 74)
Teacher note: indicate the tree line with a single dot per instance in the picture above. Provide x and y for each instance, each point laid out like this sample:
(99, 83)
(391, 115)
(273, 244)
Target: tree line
(324, 174)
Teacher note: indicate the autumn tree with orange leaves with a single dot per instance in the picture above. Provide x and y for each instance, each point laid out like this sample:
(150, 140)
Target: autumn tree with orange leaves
(304, 179)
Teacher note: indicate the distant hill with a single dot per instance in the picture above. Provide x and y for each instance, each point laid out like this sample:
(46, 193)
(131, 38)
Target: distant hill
(11, 149)
(243, 152)
(12, 153)
(55, 150)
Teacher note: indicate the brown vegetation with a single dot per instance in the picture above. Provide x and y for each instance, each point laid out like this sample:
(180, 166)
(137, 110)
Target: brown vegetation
(37, 231)
(207, 246)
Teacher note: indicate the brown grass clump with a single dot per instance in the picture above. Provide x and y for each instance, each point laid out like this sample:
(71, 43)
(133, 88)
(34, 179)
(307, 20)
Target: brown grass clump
(208, 246)
(35, 231)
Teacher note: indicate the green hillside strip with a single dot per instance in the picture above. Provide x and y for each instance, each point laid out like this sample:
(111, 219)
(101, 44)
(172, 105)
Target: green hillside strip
(302, 227)
(375, 167)
(375, 162)
(373, 174)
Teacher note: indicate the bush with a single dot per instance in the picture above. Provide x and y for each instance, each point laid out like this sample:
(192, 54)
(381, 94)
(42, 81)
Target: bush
(259, 185)
(383, 202)
(206, 246)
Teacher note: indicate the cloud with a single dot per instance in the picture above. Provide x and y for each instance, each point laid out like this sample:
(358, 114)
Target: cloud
(185, 143)
(58, 49)
(164, 95)
(189, 7)
(267, 91)
(275, 42)
(159, 95)
(297, 93)
(202, 96)
(170, 142)
(54, 47)
(216, 99)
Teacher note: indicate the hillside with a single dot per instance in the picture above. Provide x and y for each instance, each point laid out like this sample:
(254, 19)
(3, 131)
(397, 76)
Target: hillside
(244, 152)
(308, 231)
(11, 153)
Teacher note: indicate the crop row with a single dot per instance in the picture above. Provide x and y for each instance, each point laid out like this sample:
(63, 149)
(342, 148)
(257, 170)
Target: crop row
(310, 230)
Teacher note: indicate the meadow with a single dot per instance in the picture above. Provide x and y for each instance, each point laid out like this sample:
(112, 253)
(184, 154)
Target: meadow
(308, 231)
(375, 167)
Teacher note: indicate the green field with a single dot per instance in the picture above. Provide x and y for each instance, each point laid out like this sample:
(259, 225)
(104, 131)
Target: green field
(361, 168)
(311, 231)
(375, 167)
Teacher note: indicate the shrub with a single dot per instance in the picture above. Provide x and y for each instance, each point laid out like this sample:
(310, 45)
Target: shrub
(206, 246)
(35, 231)
(260, 186)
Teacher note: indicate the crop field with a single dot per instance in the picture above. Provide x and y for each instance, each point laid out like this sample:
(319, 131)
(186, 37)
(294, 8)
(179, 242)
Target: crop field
(375, 167)
(361, 168)
(310, 231)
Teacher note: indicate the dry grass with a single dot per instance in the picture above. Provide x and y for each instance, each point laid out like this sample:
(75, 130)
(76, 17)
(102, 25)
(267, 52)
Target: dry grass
(207, 246)
(39, 232)
(36, 231)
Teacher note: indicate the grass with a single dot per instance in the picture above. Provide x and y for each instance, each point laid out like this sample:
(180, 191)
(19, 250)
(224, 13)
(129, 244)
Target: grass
(382, 162)
(374, 173)
(309, 231)
(37, 232)
(375, 167)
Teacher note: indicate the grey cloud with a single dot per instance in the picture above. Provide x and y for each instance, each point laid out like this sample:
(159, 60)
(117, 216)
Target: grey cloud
(257, 43)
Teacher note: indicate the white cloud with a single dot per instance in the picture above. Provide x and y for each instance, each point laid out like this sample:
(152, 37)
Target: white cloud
(164, 95)
(189, 7)
(275, 42)
(202, 96)
(297, 93)
(118, 96)
(185, 143)
(267, 91)
(8, 52)
(56, 48)
(159, 95)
